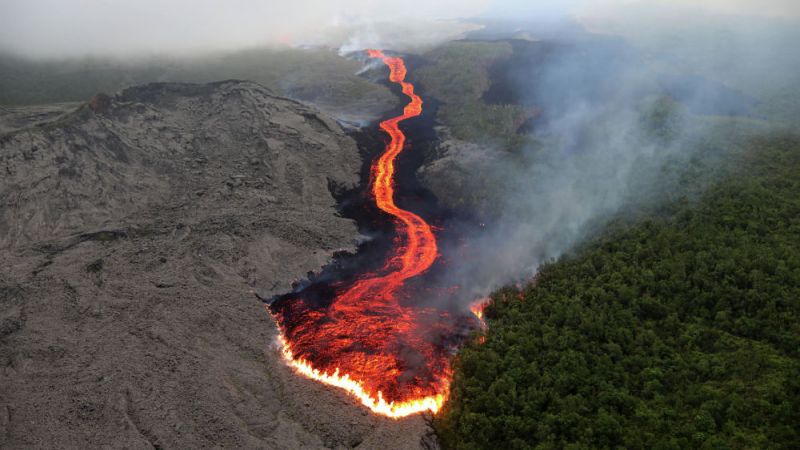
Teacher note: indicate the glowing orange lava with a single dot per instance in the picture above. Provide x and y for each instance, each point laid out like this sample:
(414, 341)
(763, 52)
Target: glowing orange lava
(389, 355)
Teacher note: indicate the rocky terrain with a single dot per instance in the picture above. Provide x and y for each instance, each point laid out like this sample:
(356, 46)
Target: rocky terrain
(135, 232)
(464, 175)
(12, 118)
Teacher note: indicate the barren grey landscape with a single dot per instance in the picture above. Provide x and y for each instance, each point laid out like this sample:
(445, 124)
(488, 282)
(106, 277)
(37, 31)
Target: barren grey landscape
(137, 230)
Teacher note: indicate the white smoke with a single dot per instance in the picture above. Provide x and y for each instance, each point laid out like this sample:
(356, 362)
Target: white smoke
(597, 158)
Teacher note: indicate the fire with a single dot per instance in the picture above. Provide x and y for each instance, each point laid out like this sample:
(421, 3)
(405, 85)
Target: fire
(368, 341)
(478, 306)
(356, 388)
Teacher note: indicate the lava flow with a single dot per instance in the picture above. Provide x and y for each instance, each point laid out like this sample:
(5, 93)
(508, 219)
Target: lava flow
(392, 356)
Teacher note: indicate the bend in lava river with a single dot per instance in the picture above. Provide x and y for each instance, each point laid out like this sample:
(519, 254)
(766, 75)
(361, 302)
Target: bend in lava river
(370, 340)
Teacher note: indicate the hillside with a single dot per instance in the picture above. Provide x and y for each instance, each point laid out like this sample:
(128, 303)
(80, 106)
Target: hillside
(458, 76)
(316, 76)
(137, 231)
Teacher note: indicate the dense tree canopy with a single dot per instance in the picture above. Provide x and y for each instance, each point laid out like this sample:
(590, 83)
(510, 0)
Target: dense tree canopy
(678, 330)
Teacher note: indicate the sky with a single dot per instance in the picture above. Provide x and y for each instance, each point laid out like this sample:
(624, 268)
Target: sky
(59, 28)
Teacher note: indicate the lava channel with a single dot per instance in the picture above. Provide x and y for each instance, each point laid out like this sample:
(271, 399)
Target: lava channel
(394, 357)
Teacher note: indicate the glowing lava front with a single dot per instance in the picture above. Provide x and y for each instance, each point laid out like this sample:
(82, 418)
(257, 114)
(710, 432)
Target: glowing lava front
(392, 356)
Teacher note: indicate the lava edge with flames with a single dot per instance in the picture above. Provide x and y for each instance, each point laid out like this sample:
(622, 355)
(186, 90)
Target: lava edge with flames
(420, 253)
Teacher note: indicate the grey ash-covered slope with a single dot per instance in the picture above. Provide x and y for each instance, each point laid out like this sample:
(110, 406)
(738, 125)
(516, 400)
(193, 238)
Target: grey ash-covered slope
(134, 232)
(204, 154)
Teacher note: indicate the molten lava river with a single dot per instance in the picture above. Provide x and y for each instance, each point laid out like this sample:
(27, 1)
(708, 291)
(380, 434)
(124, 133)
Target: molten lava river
(372, 338)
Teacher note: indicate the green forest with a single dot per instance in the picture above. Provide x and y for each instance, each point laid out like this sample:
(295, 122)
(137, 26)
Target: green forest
(458, 77)
(677, 329)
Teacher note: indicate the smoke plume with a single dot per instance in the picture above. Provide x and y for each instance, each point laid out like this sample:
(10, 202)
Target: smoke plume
(621, 107)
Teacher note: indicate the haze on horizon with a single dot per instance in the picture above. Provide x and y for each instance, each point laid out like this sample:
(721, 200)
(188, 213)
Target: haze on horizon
(62, 28)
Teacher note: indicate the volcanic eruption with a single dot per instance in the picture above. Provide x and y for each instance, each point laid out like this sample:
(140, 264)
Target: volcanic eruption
(372, 338)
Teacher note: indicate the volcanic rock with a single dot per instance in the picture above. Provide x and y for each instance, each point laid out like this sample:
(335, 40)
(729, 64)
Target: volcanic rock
(464, 175)
(127, 310)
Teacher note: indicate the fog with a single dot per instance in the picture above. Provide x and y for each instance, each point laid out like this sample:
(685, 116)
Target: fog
(68, 28)
(64, 28)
